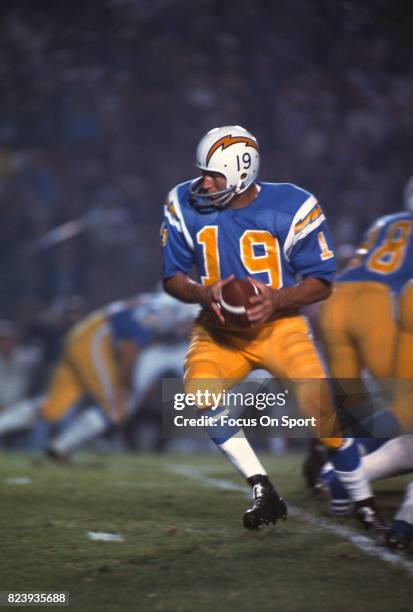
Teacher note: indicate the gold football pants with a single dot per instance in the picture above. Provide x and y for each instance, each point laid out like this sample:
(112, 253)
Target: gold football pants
(283, 347)
(359, 330)
(403, 372)
(87, 367)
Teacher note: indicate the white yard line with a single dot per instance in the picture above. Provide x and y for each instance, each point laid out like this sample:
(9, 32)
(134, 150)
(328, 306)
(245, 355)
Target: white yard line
(358, 540)
(103, 536)
(22, 480)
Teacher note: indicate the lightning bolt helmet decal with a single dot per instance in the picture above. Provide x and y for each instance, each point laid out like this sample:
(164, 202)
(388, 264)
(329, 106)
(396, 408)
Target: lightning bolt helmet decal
(227, 141)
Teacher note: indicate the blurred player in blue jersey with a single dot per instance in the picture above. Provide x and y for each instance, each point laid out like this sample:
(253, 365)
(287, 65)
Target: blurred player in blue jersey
(368, 324)
(98, 360)
(228, 224)
(359, 321)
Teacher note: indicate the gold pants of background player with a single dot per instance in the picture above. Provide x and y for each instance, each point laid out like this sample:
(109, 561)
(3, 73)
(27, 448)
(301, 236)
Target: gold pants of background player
(87, 367)
(403, 372)
(359, 330)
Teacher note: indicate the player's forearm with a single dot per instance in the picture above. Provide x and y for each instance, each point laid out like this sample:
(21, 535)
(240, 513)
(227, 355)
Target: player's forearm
(181, 287)
(307, 292)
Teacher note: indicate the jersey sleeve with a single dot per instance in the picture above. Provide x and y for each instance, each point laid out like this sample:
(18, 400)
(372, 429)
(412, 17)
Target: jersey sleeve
(177, 254)
(308, 246)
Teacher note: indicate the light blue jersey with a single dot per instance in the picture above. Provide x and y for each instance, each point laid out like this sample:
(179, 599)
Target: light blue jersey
(126, 324)
(385, 255)
(279, 238)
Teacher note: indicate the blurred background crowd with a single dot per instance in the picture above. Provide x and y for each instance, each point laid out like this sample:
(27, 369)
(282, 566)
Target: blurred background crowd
(101, 107)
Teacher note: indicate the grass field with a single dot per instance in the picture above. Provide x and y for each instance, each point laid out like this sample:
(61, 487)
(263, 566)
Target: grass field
(183, 545)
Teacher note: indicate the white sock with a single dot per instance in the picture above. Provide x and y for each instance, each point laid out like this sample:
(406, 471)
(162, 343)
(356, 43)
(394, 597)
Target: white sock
(356, 483)
(405, 512)
(21, 415)
(240, 453)
(88, 425)
(391, 459)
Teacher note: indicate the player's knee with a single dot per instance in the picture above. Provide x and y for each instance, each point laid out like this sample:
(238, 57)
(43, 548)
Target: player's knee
(48, 412)
(332, 443)
(203, 381)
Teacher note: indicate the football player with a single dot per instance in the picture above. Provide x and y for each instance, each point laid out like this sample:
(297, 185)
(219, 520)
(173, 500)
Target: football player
(370, 311)
(229, 224)
(367, 324)
(99, 358)
(392, 458)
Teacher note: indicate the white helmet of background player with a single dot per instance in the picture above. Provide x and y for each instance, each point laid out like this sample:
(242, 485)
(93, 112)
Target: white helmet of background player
(233, 152)
(408, 195)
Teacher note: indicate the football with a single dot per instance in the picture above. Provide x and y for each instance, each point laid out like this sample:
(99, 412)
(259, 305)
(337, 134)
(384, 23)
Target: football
(235, 301)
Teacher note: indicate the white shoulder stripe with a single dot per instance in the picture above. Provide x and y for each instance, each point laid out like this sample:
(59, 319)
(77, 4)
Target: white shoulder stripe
(303, 211)
(171, 219)
(173, 196)
(309, 228)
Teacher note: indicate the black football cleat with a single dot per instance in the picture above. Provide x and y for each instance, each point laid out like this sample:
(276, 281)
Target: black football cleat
(312, 465)
(267, 505)
(400, 535)
(369, 517)
(57, 457)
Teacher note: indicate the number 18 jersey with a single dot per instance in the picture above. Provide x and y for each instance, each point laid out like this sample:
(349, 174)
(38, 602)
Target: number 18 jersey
(281, 236)
(385, 255)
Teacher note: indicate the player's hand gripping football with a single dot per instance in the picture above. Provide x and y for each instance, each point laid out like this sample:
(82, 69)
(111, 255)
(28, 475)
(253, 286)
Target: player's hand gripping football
(213, 297)
(263, 305)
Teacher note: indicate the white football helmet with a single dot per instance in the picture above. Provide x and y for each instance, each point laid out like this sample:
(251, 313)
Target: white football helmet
(408, 195)
(233, 152)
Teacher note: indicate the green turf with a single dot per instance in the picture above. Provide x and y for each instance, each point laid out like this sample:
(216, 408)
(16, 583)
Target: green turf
(184, 548)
